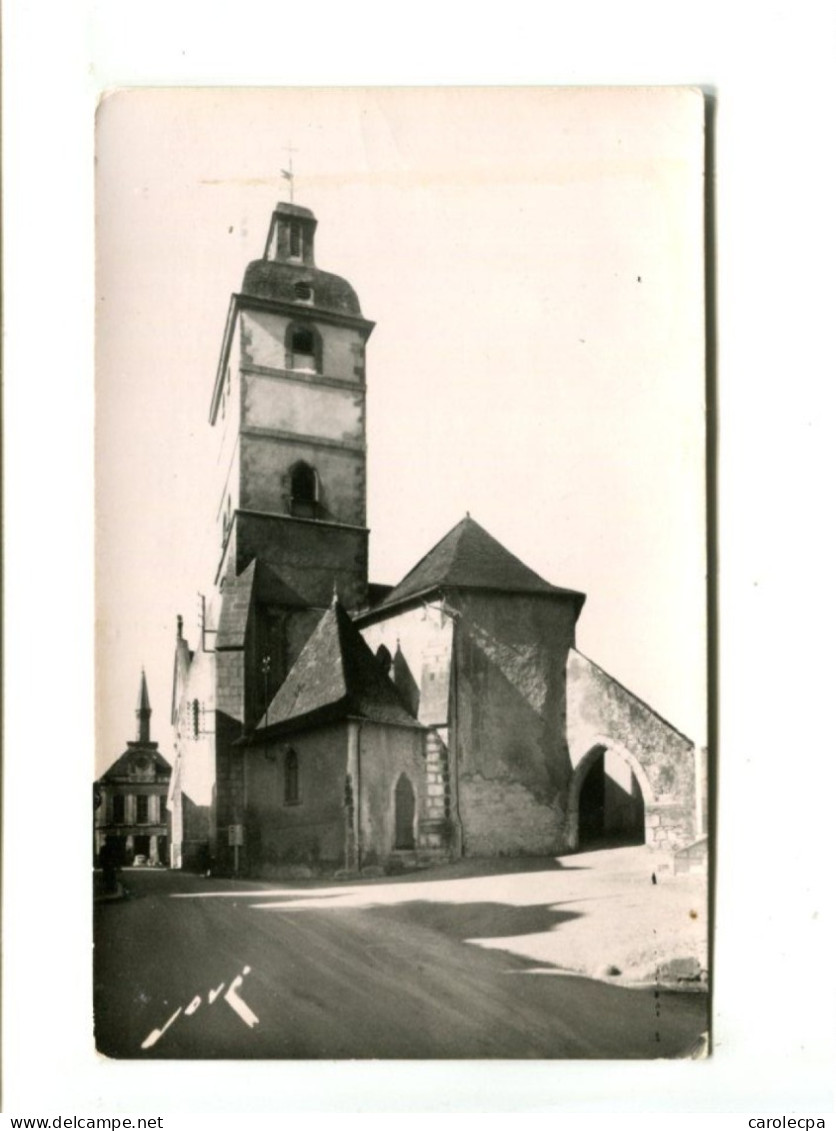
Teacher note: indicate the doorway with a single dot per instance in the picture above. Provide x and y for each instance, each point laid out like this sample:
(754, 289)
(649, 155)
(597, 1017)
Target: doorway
(404, 813)
(610, 803)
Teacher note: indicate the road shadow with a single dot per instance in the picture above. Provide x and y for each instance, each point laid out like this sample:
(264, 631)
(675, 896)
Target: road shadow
(485, 920)
(471, 867)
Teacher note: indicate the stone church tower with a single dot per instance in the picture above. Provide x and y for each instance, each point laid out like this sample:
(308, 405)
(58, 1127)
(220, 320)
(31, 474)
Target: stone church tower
(288, 408)
(342, 724)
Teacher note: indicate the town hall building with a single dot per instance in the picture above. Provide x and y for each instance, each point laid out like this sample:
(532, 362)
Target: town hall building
(325, 721)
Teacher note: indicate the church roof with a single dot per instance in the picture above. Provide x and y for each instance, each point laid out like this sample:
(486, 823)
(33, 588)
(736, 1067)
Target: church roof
(277, 282)
(336, 676)
(470, 558)
(259, 581)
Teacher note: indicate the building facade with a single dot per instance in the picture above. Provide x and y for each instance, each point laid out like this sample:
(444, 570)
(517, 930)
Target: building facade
(348, 724)
(131, 819)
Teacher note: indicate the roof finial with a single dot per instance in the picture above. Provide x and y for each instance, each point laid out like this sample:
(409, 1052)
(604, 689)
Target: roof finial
(143, 711)
(288, 172)
(335, 596)
(179, 627)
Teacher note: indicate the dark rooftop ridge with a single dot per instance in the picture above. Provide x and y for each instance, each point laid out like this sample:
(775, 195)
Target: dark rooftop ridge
(468, 557)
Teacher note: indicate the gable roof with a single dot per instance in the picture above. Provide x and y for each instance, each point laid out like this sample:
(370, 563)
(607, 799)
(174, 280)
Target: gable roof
(470, 558)
(259, 581)
(121, 766)
(336, 676)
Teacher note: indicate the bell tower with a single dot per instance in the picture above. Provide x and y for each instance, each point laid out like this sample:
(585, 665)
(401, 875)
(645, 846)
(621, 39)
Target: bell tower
(289, 407)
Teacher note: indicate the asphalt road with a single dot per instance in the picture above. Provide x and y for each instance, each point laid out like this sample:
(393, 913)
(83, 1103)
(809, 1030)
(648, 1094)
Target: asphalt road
(190, 967)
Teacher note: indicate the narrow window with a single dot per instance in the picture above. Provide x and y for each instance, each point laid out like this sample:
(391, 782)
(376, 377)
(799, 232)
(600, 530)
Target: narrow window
(302, 350)
(196, 718)
(142, 809)
(303, 347)
(118, 809)
(291, 778)
(304, 491)
(295, 241)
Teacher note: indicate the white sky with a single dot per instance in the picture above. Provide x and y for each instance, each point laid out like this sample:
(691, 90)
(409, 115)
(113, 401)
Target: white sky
(533, 260)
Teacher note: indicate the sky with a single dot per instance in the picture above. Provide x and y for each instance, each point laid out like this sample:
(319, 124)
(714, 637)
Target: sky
(533, 261)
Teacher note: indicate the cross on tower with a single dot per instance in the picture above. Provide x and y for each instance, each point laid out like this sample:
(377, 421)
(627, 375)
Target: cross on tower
(288, 172)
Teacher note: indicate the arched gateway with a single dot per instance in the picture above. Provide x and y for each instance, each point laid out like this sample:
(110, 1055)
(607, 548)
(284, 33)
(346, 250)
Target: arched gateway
(607, 798)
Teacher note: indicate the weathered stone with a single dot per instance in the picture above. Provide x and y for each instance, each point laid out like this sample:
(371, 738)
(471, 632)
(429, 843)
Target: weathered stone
(680, 970)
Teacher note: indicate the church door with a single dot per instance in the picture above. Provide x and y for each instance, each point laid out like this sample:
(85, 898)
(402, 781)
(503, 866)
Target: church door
(404, 813)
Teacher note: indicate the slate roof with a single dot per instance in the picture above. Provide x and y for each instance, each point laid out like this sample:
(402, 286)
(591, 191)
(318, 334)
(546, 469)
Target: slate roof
(259, 581)
(470, 558)
(276, 281)
(119, 769)
(336, 676)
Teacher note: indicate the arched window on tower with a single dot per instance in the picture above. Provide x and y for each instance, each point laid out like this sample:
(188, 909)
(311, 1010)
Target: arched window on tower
(303, 348)
(304, 491)
(291, 778)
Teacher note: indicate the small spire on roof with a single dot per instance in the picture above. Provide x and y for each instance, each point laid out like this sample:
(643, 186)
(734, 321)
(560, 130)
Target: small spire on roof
(335, 597)
(143, 711)
(179, 627)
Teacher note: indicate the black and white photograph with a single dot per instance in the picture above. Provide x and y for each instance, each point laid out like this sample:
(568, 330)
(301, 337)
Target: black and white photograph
(401, 575)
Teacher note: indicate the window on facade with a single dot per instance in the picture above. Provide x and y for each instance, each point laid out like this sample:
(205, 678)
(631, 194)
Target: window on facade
(302, 349)
(142, 809)
(304, 490)
(196, 718)
(303, 292)
(118, 809)
(295, 241)
(291, 777)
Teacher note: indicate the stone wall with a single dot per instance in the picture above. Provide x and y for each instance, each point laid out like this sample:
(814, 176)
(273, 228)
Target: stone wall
(263, 342)
(384, 753)
(507, 735)
(309, 556)
(424, 638)
(307, 830)
(601, 713)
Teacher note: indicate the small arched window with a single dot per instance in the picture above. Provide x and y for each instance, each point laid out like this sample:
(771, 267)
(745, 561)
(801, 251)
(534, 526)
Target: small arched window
(291, 778)
(295, 240)
(303, 348)
(304, 490)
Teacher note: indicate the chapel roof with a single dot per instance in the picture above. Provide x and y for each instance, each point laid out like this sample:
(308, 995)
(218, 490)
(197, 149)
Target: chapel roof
(336, 676)
(468, 557)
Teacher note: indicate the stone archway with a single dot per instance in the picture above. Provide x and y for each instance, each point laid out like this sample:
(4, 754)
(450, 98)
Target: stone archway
(609, 798)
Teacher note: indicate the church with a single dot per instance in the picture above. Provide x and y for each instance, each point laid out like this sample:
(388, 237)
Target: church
(326, 722)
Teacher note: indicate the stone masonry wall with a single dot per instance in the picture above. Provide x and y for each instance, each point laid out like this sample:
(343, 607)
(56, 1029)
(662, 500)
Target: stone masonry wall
(509, 740)
(603, 713)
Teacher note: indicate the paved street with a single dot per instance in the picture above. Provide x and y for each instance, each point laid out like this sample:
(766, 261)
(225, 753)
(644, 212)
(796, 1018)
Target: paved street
(408, 968)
